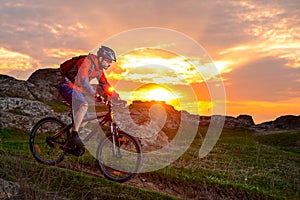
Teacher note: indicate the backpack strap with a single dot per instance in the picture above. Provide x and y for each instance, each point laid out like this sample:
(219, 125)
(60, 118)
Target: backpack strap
(92, 63)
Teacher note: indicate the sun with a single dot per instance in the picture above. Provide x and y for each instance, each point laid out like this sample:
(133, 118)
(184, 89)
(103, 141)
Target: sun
(156, 92)
(160, 94)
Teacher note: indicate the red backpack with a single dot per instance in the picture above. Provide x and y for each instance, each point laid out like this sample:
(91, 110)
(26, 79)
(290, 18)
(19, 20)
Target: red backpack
(69, 68)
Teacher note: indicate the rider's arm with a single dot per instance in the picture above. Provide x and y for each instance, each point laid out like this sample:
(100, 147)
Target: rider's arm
(107, 88)
(86, 86)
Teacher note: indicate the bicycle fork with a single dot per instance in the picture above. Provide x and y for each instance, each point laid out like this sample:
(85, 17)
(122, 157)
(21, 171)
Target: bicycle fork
(115, 141)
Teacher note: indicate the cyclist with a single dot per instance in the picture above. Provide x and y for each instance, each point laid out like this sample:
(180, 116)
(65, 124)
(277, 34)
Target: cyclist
(77, 79)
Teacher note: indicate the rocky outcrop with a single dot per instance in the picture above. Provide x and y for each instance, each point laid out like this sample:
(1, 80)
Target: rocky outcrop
(41, 86)
(11, 87)
(156, 123)
(9, 189)
(287, 122)
(22, 103)
(24, 113)
(230, 122)
(246, 120)
(148, 121)
(45, 82)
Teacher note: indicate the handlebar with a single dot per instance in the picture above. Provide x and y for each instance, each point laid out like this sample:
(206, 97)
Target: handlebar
(108, 102)
(103, 100)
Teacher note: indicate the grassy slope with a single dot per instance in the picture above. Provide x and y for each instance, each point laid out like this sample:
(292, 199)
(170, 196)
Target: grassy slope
(41, 182)
(38, 181)
(265, 165)
(243, 160)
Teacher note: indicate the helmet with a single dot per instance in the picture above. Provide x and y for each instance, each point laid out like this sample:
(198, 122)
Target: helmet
(106, 52)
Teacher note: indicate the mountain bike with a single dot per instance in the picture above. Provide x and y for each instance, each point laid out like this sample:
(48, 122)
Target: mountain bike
(118, 153)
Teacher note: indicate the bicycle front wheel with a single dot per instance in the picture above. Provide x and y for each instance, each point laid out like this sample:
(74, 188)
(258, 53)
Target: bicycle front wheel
(119, 157)
(47, 139)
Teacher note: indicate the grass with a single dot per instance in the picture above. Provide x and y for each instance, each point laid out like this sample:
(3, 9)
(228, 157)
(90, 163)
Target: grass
(42, 182)
(39, 181)
(58, 107)
(288, 141)
(241, 160)
(17, 111)
(241, 163)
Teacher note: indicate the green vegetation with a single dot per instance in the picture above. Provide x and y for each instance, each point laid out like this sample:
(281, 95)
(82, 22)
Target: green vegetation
(242, 164)
(241, 160)
(58, 107)
(17, 111)
(288, 141)
(45, 182)
(42, 182)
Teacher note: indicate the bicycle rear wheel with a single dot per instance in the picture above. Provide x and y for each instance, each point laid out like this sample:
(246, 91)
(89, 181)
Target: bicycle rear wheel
(122, 162)
(47, 139)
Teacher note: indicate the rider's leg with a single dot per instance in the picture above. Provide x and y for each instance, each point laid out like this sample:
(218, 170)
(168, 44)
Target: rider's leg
(79, 115)
(79, 106)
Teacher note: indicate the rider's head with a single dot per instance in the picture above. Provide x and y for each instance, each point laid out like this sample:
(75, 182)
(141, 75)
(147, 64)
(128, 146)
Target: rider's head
(106, 55)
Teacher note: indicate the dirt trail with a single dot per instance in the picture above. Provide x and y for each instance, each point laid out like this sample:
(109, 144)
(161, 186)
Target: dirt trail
(184, 190)
(155, 182)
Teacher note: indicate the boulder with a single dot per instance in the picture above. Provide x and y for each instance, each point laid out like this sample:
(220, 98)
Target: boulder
(9, 189)
(246, 120)
(46, 82)
(24, 113)
(148, 121)
(41, 86)
(11, 87)
(232, 122)
(287, 122)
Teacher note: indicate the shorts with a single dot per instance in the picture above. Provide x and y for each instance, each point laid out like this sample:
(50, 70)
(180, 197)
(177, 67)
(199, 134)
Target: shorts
(72, 96)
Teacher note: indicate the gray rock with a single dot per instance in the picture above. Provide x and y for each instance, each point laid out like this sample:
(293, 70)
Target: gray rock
(11, 87)
(287, 122)
(8, 189)
(45, 82)
(147, 121)
(24, 113)
(41, 85)
(246, 120)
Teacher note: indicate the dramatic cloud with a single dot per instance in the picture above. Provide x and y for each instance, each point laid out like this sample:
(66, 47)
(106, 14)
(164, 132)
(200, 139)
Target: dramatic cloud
(14, 63)
(254, 44)
(266, 79)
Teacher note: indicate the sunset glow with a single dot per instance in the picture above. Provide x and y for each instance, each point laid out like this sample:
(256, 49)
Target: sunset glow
(148, 74)
(159, 94)
(160, 66)
(154, 92)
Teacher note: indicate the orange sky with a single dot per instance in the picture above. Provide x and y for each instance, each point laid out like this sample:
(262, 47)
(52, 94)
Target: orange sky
(254, 45)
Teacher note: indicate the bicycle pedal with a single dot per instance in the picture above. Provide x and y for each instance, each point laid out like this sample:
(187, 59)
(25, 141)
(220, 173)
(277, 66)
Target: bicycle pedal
(50, 142)
(76, 152)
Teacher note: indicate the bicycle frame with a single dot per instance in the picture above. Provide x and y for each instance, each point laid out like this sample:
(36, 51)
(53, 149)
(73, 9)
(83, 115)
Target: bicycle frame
(104, 118)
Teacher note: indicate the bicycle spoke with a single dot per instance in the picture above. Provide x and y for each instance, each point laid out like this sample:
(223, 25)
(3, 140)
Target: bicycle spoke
(46, 140)
(121, 161)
